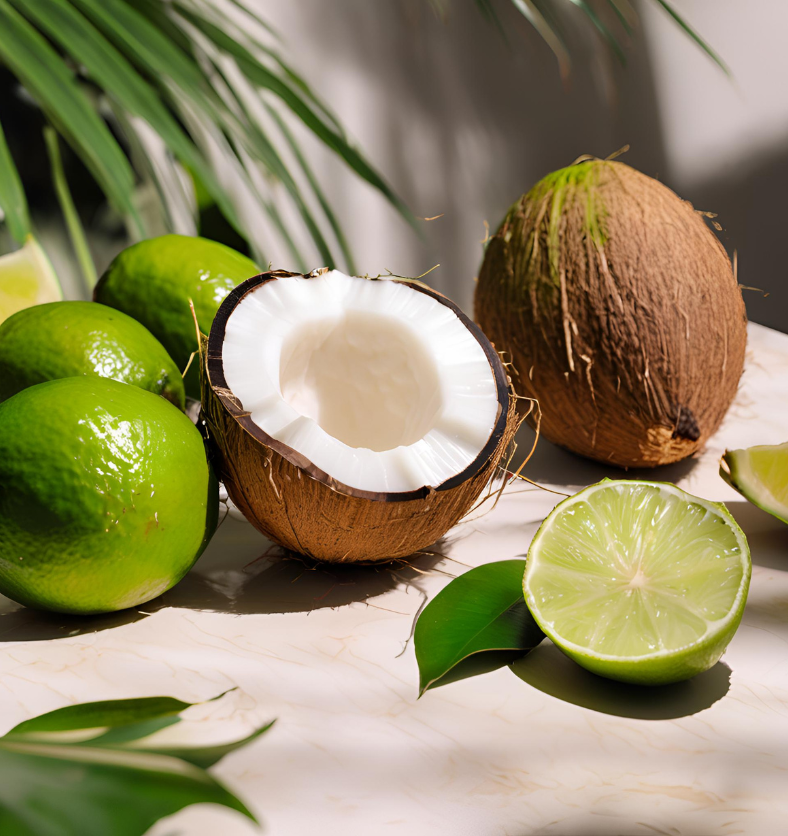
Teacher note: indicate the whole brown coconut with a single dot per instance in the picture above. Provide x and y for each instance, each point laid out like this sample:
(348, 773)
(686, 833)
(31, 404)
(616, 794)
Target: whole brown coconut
(303, 508)
(620, 313)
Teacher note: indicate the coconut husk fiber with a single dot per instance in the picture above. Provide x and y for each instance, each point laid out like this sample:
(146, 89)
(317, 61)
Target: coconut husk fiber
(620, 312)
(301, 507)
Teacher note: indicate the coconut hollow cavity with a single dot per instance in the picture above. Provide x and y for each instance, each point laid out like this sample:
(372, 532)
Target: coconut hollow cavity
(357, 419)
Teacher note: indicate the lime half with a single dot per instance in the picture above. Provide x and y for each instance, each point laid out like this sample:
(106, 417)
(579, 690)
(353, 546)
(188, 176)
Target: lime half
(26, 278)
(761, 475)
(639, 581)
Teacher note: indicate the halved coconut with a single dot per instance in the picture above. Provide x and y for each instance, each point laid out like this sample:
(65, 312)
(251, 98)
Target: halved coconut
(356, 419)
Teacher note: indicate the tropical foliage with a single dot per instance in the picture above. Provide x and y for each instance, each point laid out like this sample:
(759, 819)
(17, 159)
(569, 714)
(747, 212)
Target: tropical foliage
(101, 768)
(197, 101)
(610, 19)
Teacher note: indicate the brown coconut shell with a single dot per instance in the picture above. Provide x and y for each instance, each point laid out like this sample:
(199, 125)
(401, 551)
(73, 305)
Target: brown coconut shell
(299, 506)
(620, 313)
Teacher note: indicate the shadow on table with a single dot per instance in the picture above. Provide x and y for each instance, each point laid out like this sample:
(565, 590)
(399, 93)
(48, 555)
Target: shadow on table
(553, 673)
(22, 624)
(551, 464)
(767, 536)
(241, 573)
(284, 582)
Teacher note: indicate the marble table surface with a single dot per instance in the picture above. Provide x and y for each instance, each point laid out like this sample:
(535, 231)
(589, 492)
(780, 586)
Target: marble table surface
(541, 748)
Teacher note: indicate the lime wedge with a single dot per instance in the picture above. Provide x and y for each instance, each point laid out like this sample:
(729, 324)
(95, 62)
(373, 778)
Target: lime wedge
(761, 475)
(638, 581)
(26, 278)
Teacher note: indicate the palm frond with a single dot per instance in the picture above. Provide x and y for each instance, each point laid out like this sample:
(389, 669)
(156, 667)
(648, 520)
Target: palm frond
(625, 14)
(54, 86)
(144, 89)
(690, 32)
(317, 191)
(73, 224)
(12, 195)
(263, 78)
(603, 30)
(108, 68)
(152, 93)
(549, 32)
(540, 14)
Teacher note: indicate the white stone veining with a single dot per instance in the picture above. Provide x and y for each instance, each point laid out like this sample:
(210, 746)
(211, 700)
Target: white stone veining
(546, 749)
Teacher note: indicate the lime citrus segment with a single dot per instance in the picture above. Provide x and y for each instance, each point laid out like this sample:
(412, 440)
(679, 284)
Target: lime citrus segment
(761, 475)
(638, 581)
(26, 278)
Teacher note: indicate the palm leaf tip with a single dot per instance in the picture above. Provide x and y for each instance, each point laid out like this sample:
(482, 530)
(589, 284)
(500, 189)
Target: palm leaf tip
(688, 30)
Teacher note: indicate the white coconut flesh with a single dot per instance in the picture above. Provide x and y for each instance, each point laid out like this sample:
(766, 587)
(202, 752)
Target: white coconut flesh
(378, 385)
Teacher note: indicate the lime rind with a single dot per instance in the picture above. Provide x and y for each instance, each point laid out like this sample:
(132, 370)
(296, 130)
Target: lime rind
(760, 475)
(27, 278)
(672, 637)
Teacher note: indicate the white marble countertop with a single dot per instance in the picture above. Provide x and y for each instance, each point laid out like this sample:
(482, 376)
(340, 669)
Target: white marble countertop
(546, 749)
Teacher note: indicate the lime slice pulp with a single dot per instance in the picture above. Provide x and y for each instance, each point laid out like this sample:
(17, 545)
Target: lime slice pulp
(26, 278)
(639, 581)
(760, 474)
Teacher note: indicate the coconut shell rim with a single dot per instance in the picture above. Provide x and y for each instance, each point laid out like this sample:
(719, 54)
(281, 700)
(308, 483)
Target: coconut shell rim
(214, 369)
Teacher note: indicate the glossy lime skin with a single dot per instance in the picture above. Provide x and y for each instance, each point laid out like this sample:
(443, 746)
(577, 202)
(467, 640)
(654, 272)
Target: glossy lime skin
(67, 339)
(106, 496)
(154, 280)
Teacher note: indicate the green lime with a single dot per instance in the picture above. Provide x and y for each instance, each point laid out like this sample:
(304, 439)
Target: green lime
(761, 475)
(67, 339)
(26, 278)
(154, 280)
(639, 581)
(106, 495)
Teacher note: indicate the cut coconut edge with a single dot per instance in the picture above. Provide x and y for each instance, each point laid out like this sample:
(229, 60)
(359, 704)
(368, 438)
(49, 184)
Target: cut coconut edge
(215, 378)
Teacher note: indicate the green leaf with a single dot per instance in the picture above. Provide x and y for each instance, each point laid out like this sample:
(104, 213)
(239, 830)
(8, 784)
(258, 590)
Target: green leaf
(550, 34)
(153, 45)
(539, 14)
(694, 36)
(53, 85)
(205, 756)
(262, 77)
(318, 192)
(487, 9)
(611, 40)
(56, 781)
(622, 15)
(479, 612)
(12, 195)
(76, 233)
(137, 36)
(119, 737)
(106, 713)
(53, 790)
(265, 151)
(112, 71)
(292, 76)
(276, 219)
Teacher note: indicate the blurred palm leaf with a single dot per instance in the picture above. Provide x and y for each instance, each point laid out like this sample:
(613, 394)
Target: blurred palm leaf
(200, 83)
(543, 15)
(144, 91)
(12, 195)
(110, 767)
